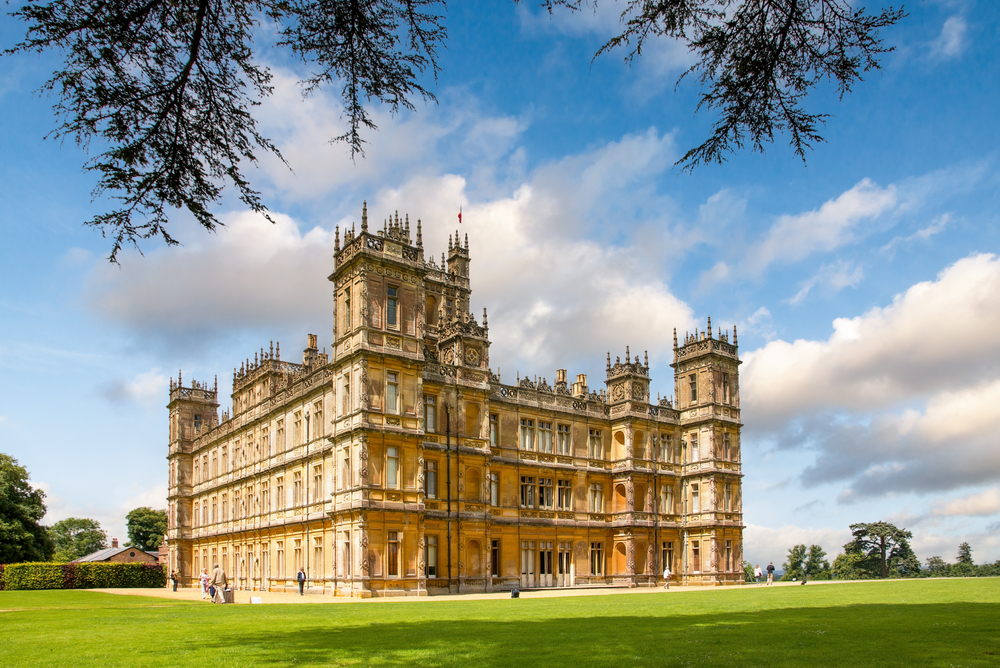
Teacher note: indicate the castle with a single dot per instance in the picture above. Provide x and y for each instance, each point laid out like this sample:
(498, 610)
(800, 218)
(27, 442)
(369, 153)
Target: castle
(401, 465)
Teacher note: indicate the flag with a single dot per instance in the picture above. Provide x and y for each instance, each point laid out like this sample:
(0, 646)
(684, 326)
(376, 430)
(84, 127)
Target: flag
(459, 214)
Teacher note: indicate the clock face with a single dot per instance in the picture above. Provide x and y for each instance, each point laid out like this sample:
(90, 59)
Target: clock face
(618, 391)
(472, 356)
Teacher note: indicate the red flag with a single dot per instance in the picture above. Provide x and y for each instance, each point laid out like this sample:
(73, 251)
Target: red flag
(459, 214)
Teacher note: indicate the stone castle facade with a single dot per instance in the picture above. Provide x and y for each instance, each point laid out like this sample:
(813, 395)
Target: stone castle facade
(401, 465)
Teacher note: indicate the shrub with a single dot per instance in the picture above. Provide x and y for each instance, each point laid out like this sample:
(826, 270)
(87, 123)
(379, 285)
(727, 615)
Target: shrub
(48, 575)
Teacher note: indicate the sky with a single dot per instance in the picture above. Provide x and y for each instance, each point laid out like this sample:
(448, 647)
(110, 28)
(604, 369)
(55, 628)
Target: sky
(865, 282)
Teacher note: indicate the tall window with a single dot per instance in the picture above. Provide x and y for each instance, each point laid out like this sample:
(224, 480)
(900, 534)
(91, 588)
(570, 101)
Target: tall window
(668, 555)
(317, 489)
(495, 489)
(544, 436)
(297, 428)
(392, 467)
(308, 433)
(693, 383)
(296, 488)
(596, 497)
(695, 501)
(318, 554)
(565, 499)
(225, 507)
(728, 500)
(729, 555)
(494, 429)
(280, 554)
(281, 435)
(694, 454)
(527, 434)
(527, 492)
(668, 499)
(596, 445)
(393, 555)
(449, 306)
(346, 401)
(297, 554)
(347, 553)
(597, 558)
(545, 493)
(695, 556)
(318, 419)
(666, 448)
(392, 392)
(562, 444)
(391, 306)
(430, 479)
(225, 459)
(347, 310)
(197, 423)
(430, 414)
(197, 471)
(215, 509)
(345, 470)
(495, 558)
(431, 556)
(279, 490)
(265, 497)
(215, 464)
(725, 447)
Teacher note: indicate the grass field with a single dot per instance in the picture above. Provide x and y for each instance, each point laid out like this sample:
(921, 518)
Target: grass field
(908, 623)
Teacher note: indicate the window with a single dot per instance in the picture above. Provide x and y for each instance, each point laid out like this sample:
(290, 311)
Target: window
(197, 471)
(527, 434)
(346, 401)
(694, 455)
(431, 556)
(545, 558)
(668, 555)
(597, 558)
(430, 479)
(296, 489)
(725, 388)
(308, 433)
(225, 508)
(279, 490)
(695, 502)
(281, 435)
(345, 470)
(392, 392)
(448, 308)
(265, 497)
(725, 446)
(297, 554)
(317, 489)
(494, 430)
(297, 428)
(430, 414)
(393, 555)
(318, 554)
(545, 437)
(695, 556)
(596, 446)
(280, 554)
(596, 497)
(347, 553)
(347, 310)
(392, 467)
(693, 382)
(562, 444)
(495, 489)
(668, 499)
(565, 500)
(391, 306)
(196, 514)
(215, 464)
(527, 492)
(495, 558)
(666, 448)
(215, 509)
(317, 418)
(728, 499)
(197, 423)
(545, 493)
(225, 459)
(729, 555)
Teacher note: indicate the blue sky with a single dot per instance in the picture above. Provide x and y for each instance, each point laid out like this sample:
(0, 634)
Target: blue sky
(864, 283)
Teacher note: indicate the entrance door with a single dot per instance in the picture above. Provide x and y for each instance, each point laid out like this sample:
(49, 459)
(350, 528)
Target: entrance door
(545, 564)
(527, 563)
(564, 574)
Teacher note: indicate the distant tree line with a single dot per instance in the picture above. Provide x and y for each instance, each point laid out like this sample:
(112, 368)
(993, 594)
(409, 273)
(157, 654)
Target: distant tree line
(24, 539)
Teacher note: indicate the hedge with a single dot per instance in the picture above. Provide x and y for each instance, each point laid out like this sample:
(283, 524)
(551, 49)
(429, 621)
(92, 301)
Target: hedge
(48, 575)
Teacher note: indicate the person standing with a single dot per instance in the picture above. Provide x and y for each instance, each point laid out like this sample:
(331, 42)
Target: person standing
(301, 577)
(219, 580)
(204, 579)
(770, 573)
(666, 577)
(757, 573)
(173, 578)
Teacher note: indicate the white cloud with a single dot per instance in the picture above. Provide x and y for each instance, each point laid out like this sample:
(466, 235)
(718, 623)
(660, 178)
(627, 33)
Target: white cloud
(110, 517)
(835, 277)
(982, 503)
(923, 234)
(834, 224)
(147, 389)
(765, 544)
(951, 41)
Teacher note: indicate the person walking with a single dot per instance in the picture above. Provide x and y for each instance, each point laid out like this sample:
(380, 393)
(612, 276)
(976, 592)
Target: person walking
(757, 573)
(173, 578)
(301, 577)
(666, 577)
(770, 573)
(204, 579)
(219, 580)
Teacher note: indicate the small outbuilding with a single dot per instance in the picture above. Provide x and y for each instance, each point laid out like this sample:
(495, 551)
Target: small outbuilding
(120, 555)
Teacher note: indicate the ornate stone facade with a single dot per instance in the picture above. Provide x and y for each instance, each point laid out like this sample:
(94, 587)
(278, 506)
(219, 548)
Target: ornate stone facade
(402, 465)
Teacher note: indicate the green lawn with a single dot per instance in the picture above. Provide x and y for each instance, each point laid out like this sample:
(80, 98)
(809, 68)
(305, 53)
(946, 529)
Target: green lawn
(911, 623)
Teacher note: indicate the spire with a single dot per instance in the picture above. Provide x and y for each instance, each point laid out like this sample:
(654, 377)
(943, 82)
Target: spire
(420, 238)
(609, 360)
(645, 358)
(216, 383)
(444, 267)
(179, 382)
(364, 216)
(272, 348)
(486, 323)
(628, 357)
(708, 332)
(336, 239)
(449, 242)
(734, 336)
(407, 225)
(466, 241)
(675, 338)
(277, 351)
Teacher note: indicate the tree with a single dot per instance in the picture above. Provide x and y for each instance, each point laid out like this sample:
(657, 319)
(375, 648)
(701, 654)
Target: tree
(852, 566)
(794, 566)
(816, 566)
(77, 537)
(22, 507)
(748, 575)
(166, 88)
(146, 527)
(884, 548)
(964, 554)
(936, 566)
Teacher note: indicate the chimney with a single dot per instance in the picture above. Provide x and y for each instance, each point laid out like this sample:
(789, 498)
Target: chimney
(580, 386)
(114, 542)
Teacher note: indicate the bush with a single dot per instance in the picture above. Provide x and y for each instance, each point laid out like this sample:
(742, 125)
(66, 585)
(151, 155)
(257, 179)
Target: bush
(48, 575)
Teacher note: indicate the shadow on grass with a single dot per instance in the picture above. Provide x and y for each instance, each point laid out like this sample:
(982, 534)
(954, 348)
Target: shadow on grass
(947, 634)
